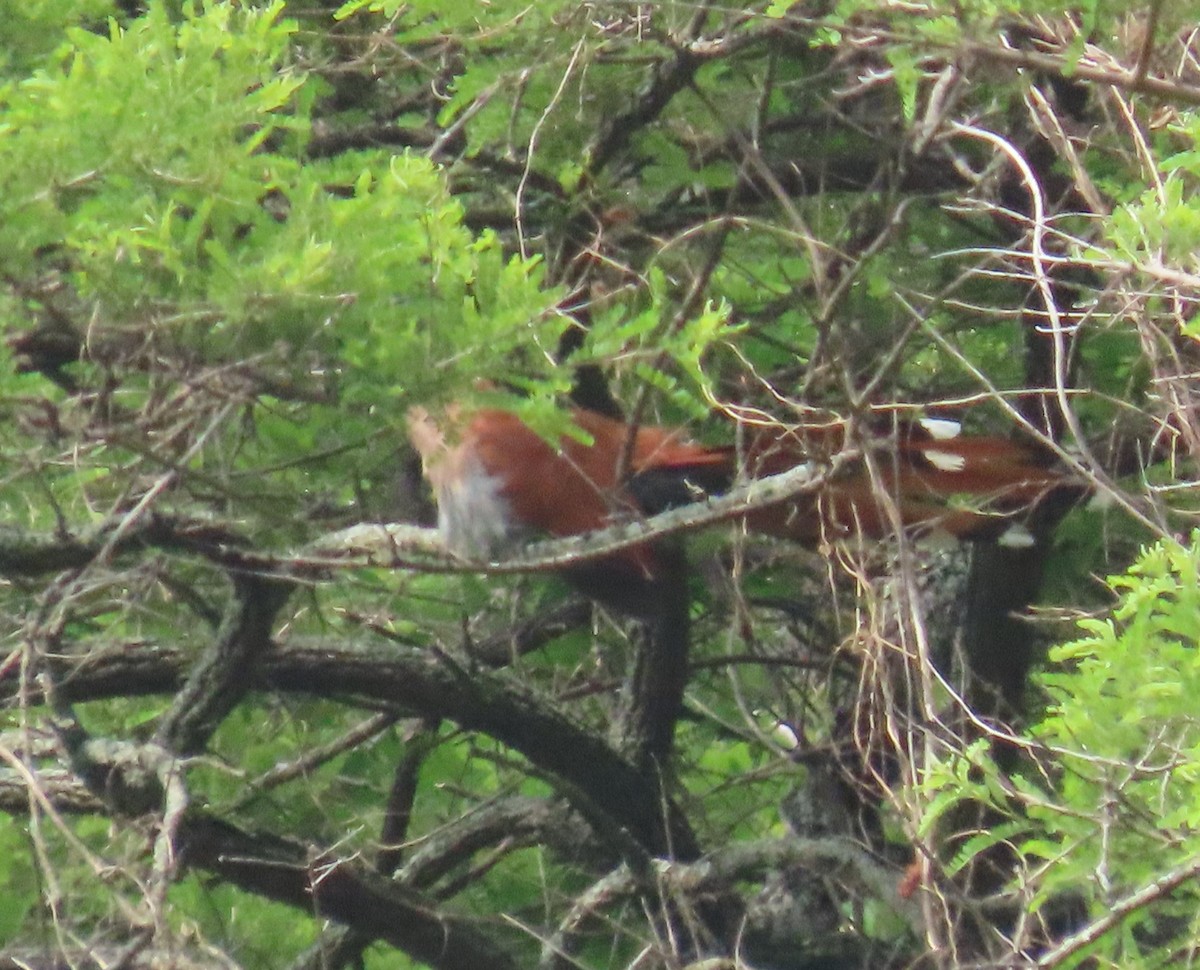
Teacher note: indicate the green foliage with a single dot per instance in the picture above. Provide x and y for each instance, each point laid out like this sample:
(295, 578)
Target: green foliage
(529, 61)
(1114, 806)
(254, 932)
(246, 236)
(32, 30)
(159, 161)
(643, 341)
(18, 881)
(153, 173)
(91, 159)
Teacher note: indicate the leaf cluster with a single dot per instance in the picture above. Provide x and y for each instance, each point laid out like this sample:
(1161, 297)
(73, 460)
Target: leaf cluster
(238, 240)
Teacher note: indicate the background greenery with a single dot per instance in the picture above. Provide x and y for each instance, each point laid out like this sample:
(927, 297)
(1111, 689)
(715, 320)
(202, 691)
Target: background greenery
(238, 241)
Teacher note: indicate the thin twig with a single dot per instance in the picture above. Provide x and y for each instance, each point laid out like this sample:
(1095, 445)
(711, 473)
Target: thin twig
(1120, 910)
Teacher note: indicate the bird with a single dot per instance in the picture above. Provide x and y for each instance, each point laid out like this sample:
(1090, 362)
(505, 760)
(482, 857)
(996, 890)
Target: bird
(496, 481)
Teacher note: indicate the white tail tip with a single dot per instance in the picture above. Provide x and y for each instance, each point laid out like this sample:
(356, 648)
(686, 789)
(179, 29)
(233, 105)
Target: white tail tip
(941, 429)
(1017, 536)
(944, 461)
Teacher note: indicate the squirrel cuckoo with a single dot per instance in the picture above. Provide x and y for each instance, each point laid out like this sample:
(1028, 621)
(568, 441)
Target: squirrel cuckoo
(494, 478)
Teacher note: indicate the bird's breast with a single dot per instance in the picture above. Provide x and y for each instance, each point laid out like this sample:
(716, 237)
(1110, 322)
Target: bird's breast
(474, 516)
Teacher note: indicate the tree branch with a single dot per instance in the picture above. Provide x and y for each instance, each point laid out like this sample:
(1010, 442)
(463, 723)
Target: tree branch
(595, 777)
(350, 892)
(224, 673)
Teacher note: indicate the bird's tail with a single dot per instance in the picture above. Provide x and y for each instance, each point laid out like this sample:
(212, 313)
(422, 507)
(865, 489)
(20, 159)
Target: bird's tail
(920, 475)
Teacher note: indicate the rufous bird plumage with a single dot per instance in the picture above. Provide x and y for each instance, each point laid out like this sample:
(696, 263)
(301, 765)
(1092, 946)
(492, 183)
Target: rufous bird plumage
(495, 480)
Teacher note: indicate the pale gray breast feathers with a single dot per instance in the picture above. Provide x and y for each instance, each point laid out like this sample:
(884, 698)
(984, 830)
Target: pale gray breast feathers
(473, 515)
